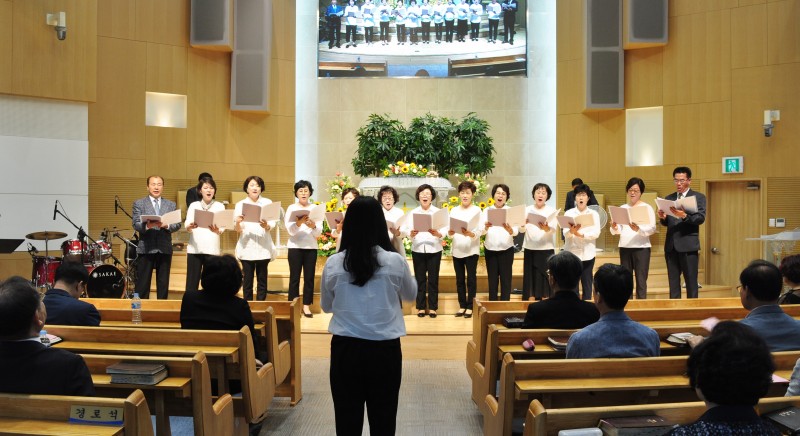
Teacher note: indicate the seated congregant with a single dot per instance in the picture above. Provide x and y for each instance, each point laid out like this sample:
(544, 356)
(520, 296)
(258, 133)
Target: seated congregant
(790, 269)
(760, 288)
(63, 303)
(730, 371)
(615, 334)
(564, 310)
(26, 365)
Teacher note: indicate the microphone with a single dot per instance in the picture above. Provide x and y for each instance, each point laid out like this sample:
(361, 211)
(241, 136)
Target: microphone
(116, 204)
(55, 209)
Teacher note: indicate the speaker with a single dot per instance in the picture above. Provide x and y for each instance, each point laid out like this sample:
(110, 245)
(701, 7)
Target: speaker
(211, 25)
(250, 63)
(604, 54)
(645, 23)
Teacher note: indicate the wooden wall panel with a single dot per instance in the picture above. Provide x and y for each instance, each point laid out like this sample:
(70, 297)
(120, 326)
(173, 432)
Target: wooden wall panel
(571, 35)
(689, 7)
(644, 77)
(784, 31)
(116, 19)
(163, 22)
(610, 156)
(283, 41)
(116, 120)
(210, 123)
(749, 36)
(6, 28)
(166, 69)
(166, 152)
(571, 86)
(778, 190)
(45, 67)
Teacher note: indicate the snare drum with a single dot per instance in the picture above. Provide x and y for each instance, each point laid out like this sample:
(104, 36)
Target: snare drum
(44, 270)
(101, 250)
(74, 250)
(105, 281)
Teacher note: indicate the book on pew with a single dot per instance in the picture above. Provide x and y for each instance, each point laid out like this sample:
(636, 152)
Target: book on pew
(558, 342)
(513, 322)
(787, 420)
(139, 379)
(140, 373)
(679, 339)
(646, 425)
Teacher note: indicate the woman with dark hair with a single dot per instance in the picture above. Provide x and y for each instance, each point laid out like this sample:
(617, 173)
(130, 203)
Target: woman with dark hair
(302, 245)
(790, 270)
(362, 286)
(466, 248)
(634, 239)
(426, 252)
(203, 242)
(254, 248)
(730, 371)
(579, 240)
(538, 244)
(499, 246)
(388, 198)
(348, 195)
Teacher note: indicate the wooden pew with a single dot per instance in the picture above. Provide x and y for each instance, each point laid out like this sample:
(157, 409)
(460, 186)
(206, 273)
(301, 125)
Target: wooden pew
(353, 69)
(230, 352)
(510, 65)
(49, 414)
(579, 382)
(188, 381)
(548, 422)
(287, 314)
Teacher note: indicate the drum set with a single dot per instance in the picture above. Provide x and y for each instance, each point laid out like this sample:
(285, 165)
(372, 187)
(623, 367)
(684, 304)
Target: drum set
(108, 277)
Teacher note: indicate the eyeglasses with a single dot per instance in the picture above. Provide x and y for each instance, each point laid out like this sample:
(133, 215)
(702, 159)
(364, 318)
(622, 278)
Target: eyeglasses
(680, 181)
(634, 191)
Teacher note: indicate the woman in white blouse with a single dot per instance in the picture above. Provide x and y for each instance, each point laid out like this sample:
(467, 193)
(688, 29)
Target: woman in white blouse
(466, 248)
(499, 246)
(634, 239)
(203, 242)
(538, 245)
(388, 197)
(579, 240)
(302, 245)
(254, 248)
(426, 252)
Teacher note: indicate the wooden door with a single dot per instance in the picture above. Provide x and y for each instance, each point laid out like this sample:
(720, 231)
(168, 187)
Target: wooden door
(733, 214)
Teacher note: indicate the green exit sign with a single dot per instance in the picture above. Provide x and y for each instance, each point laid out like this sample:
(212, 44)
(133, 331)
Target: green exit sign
(733, 165)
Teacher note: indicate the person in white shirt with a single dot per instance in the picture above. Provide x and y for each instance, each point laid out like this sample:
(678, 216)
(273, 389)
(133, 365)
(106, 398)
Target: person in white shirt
(412, 21)
(579, 240)
(499, 246)
(203, 242)
(348, 195)
(388, 197)
(475, 12)
(438, 19)
(426, 252)
(368, 21)
(400, 14)
(363, 286)
(254, 248)
(426, 12)
(449, 20)
(302, 245)
(462, 14)
(384, 14)
(466, 248)
(634, 240)
(351, 21)
(538, 245)
(493, 10)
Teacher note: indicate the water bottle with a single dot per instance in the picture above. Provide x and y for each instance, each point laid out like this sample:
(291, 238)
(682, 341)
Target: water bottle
(136, 309)
(43, 338)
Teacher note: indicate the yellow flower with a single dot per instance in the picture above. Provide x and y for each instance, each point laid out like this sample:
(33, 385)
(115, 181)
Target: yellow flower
(385, 173)
(490, 202)
(405, 169)
(334, 200)
(340, 209)
(316, 202)
(445, 205)
(328, 208)
(413, 165)
(424, 170)
(454, 199)
(400, 163)
(482, 205)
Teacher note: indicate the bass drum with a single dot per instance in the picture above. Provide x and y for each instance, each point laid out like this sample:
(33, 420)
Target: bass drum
(105, 281)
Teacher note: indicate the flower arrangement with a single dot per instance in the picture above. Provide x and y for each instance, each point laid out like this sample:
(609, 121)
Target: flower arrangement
(455, 201)
(405, 169)
(338, 184)
(326, 245)
(481, 186)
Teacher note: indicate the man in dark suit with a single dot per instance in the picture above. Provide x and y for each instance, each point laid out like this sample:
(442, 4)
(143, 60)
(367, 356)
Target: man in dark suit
(509, 8)
(683, 241)
(27, 366)
(565, 309)
(62, 302)
(334, 14)
(191, 194)
(155, 240)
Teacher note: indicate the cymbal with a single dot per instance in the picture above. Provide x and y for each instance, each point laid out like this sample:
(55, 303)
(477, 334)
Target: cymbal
(45, 235)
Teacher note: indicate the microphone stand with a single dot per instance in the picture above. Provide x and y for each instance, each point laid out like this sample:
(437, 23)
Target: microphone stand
(83, 235)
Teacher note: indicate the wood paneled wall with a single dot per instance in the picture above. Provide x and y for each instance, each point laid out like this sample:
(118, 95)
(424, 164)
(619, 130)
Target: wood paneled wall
(726, 62)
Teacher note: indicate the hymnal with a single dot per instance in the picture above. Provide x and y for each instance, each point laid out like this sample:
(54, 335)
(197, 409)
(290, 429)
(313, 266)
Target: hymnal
(537, 219)
(139, 379)
(396, 224)
(222, 219)
(628, 215)
(647, 425)
(558, 342)
(456, 224)
(254, 213)
(513, 216)
(437, 220)
(566, 222)
(687, 204)
(316, 213)
(513, 322)
(334, 218)
(787, 420)
(679, 339)
(167, 219)
(138, 368)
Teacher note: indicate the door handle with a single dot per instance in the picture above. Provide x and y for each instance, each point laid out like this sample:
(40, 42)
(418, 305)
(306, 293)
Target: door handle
(714, 250)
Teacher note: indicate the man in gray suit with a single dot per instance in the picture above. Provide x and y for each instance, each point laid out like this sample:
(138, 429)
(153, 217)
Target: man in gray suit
(683, 241)
(155, 240)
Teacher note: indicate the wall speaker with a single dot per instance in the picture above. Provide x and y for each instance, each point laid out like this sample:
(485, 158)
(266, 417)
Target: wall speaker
(250, 64)
(211, 25)
(645, 23)
(604, 54)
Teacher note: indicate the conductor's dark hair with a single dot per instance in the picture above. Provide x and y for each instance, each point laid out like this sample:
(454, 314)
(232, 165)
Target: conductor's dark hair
(203, 176)
(576, 181)
(635, 181)
(615, 284)
(388, 189)
(258, 180)
(423, 187)
(566, 269)
(544, 186)
(466, 184)
(732, 367)
(221, 275)
(303, 184)
(683, 170)
(19, 301)
(762, 279)
(790, 268)
(505, 189)
(71, 273)
(363, 228)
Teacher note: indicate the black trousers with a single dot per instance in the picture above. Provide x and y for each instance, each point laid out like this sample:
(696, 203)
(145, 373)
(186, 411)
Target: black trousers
(304, 259)
(448, 29)
(426, 31)
(401, 32)
(508, 27)
(145, 265)
(413, 32)
(638, 261)
(369, 33)
(586, 279)
(194, 268)
(498, 267)
(334, 31)
(439, 28)
(384, 31)
(686, 264)
(534, 276)
(494, 25)
(466, 267)
(463, 29)
(426, 271)
(350, 29)
(260, 268)
(365, 372)
(474, 27)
